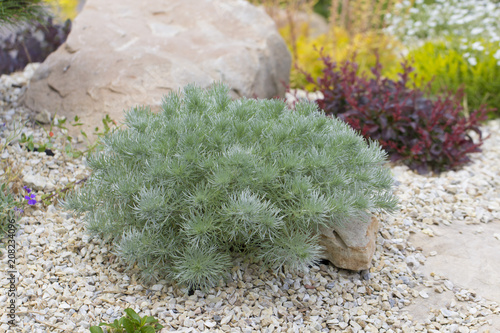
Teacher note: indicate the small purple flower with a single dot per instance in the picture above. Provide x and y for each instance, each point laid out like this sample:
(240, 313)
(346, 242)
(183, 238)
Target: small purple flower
(18, 210)
(31, 199)
(27, 189)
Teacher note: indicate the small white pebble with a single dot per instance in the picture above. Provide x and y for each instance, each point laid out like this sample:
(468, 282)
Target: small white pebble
(423, 294)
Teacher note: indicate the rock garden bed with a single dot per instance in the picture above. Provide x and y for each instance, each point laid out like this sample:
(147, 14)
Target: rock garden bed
(68, 282)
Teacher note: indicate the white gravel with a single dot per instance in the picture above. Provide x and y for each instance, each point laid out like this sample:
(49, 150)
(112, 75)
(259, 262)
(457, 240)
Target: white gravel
(68, 282)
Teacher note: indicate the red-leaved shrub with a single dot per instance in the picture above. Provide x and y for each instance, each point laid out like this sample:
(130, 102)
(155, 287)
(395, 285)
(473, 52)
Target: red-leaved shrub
(425, 134)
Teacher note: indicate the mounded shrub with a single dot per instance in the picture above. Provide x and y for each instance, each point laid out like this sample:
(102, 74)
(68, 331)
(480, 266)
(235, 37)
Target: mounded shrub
(184, 191)
(425, 134)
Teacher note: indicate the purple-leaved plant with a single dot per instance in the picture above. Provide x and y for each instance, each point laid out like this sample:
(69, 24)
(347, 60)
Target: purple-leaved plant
(427, 134)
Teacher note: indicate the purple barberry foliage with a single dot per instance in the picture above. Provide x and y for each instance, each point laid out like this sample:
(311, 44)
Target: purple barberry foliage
(425, 134)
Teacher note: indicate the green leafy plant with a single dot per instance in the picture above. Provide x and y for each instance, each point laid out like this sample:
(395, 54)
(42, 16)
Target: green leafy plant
(108, 125)
(69, 149)
(130, 323)
(184, 191)
(31, 145)
(29, 142)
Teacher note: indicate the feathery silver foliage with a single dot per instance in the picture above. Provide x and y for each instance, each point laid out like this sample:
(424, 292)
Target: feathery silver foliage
(183, 191)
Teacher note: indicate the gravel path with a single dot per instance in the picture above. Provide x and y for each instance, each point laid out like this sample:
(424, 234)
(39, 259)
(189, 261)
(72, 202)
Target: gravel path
(68, 282)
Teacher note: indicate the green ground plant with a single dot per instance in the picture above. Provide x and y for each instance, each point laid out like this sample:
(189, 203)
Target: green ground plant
(29, 142)
(185, 191)
(130, 323)
(11, 181)
(60, 123)
(108, 126)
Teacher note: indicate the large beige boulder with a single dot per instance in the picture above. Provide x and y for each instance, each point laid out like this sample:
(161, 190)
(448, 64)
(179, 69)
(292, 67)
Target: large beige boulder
(122, 53)
(351, 246)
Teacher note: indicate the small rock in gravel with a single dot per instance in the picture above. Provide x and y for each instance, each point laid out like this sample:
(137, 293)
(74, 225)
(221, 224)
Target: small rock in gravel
(448, 284)
(36, 183)
(365, 274)
(330, 285)
(157, 287)
(44, 117)
(448, 313)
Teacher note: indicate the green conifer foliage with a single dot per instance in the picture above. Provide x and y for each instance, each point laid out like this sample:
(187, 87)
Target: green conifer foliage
(13, 12)
(183, 191)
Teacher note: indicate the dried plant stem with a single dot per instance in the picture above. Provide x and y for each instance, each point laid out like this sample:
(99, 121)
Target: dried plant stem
(359, 16)
(41, 321)
(334, 12)
(366, 15)
(293, 33)
(377, 14)
(344, 15)
(66, 188)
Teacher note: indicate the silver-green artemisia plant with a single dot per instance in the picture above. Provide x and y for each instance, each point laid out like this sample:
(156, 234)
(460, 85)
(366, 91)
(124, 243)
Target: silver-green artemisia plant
(183, 191)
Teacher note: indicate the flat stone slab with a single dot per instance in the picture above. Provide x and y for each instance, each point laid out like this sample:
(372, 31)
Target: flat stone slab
(468, 255)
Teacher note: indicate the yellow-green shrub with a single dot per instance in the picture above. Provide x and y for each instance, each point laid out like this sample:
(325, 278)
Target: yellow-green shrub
(453, 64)
(340, 46)
(65, 9)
